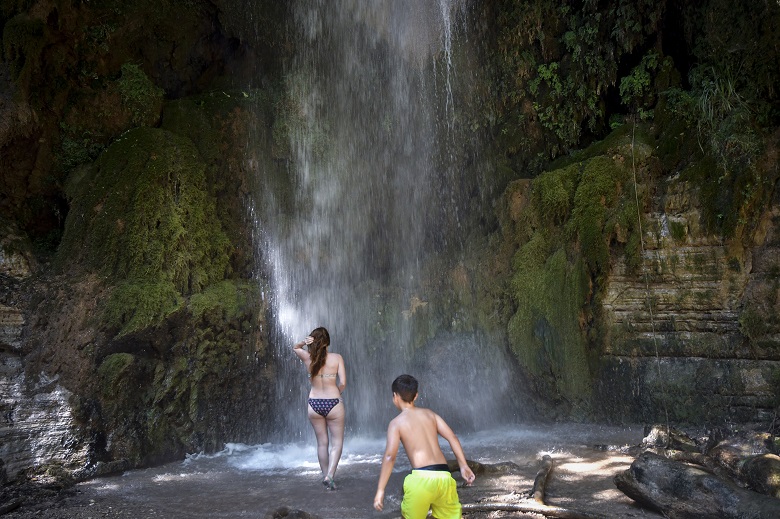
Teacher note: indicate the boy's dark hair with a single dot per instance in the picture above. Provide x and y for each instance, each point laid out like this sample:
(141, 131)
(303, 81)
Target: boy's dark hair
(406, 387)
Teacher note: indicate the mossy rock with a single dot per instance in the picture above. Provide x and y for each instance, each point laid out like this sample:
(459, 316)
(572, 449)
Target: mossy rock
(222, 301)
(578, 217)
(210, 118)
(544, 332)
(597, 192)
(142, 216)
(138, 304)
(142, 211)
(140, 95)
(112, 369)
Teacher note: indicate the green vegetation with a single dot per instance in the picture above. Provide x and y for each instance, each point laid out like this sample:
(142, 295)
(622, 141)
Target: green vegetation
(79, 146)
(112, 369)
(636, 89)
(565, 55)
(731, 103)
(143, 215)
(597, 194)
(139, 304)
(554, 192)
(677, 230)
(222, 301)
(544, 332)
(140, 95)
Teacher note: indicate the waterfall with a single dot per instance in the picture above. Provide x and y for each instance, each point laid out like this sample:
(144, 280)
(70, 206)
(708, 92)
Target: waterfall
(369, 109)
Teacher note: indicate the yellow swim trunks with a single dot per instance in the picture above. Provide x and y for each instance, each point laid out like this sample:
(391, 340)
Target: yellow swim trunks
(433, 490)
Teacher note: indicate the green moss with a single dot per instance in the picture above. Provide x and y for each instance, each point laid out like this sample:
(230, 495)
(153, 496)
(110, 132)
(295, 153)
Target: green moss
(143, 212)
(112, 369)
(207, 117)
(618, 140)
(580, 216)
(544, 332)
(142, 97)
(753, 323)
(188, 118)
(553, 193)
(224, 300)
(142, 216)
(597, 192)
(633, 252)
(677, 230)
(78, 146)
(138, 304)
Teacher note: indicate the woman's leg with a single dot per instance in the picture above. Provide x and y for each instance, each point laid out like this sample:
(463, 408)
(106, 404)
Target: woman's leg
(320, 427)
(335, 422)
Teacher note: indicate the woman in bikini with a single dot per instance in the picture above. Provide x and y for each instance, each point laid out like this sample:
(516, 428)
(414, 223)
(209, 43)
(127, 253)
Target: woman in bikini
(326, 408)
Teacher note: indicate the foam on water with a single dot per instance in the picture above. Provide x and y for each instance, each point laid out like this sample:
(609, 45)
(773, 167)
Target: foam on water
(298, 457)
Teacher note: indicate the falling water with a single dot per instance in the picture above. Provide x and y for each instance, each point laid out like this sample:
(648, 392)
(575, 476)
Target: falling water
(369, 109)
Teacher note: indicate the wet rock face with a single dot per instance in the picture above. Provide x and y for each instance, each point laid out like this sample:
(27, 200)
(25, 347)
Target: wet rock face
(11, 323)
(178, 364)
(36, 423)
(38, 427)
(693, 332)
(650, 316)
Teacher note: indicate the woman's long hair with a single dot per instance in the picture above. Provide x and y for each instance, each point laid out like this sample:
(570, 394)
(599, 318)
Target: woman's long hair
(318, 349)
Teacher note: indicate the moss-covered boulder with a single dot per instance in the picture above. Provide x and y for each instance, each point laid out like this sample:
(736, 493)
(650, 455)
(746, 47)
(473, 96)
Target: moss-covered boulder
(142, 215)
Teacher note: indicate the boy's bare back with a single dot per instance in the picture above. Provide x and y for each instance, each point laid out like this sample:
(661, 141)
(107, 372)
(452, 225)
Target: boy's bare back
(419, 431)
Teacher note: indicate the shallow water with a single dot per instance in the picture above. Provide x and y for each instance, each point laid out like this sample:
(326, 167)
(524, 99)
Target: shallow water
(252, 480)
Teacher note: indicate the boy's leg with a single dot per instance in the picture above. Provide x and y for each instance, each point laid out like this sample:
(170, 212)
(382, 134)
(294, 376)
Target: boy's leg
(447, 504)
(417, 496)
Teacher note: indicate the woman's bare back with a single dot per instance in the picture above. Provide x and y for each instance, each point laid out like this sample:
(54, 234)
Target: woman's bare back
(331, 379)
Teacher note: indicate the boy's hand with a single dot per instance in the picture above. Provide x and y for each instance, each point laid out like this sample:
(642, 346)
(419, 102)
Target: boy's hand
(378, 499)
(468, 475)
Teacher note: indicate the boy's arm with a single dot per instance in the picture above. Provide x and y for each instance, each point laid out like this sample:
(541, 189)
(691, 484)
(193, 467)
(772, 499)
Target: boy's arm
(388, 461)
(448, 434)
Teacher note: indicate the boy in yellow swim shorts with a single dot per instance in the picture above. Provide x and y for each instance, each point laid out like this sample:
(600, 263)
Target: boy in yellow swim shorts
(430, 486)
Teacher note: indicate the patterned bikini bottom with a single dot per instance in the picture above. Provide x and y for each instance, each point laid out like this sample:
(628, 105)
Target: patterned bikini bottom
(323, 406)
